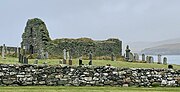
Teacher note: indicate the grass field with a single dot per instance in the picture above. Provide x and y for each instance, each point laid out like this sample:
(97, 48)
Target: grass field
(95, 62)
(85, 89)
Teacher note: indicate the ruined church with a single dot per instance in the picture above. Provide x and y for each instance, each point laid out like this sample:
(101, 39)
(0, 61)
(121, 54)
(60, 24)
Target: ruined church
(36, 39)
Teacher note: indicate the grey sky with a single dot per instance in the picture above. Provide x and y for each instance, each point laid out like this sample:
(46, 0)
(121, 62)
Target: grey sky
(128, 20)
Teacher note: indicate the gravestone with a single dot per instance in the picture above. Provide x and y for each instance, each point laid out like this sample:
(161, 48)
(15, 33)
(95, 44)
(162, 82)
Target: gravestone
(80, 60)
(25, 60)
(3, 51)
(127, 53)
(131, 57)
(165, 60)
(151, 59)
(17, 51)
(90, 58)
(147, 59)
(42, 54)
(159, 59)
(170, 66)
(70, 60)
(36, 61)
(112, 57)
(46, 55)
(65, 56)
(20, 58)
(136, 57)
(143, 57)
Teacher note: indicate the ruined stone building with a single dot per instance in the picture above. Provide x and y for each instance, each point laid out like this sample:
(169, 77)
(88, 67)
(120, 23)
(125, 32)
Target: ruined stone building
(35, 36)
(35, 39)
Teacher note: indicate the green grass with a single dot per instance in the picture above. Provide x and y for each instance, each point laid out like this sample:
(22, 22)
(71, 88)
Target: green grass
(10, 60)
(85, 89)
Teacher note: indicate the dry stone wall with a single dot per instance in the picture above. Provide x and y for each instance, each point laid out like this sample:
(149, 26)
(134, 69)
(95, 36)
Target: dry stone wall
(31, 75)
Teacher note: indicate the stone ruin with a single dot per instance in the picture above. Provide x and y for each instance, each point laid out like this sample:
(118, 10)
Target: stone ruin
(35, 36)
(36, 40)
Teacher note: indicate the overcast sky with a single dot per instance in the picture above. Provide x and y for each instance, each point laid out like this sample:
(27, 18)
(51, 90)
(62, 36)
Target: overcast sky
(128, 20)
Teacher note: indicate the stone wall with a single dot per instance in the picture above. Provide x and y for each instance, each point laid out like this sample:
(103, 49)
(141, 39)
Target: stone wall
(83, 46)
(23, 75)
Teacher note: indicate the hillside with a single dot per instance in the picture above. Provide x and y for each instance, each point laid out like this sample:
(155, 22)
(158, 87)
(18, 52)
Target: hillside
(166, 49)
(156, 47)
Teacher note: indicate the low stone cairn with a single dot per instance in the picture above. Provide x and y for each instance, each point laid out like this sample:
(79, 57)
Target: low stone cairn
(35, 75)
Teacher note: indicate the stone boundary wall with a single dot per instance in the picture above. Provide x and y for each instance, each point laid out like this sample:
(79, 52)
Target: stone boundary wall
(32, 75)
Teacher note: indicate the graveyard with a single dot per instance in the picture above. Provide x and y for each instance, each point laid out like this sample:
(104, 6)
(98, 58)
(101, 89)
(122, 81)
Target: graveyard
(81, 62)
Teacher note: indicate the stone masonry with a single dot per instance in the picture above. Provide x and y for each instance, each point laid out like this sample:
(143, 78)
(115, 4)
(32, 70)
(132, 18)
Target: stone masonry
(30, 75)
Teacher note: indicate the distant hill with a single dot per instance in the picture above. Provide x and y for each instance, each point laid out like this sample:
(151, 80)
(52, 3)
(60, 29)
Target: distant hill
(167, 47)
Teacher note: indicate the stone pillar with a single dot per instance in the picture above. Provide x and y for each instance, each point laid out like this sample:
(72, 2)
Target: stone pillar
(90, 58)
(143, 57)
(131, 57)
(25, 60)
(46, 55)
(80, 60)
(65, 56)
(136, 57)
(127, 52)
(112, 57)
(147, 59)
(165, 60)
(159, 59)
(70, 60)
(18, 51)
(3, 51)
(150, 59)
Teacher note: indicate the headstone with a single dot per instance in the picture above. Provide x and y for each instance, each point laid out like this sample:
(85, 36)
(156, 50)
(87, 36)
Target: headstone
(136, 57)
(159, 59)
(70, 60)
(42, 54)
(36, 61)
(127, 53)
(112, 57)
(165, 60)
(150, 59)
(20, 58)
(80, 61)
(143, 57)
(147, 59)
(65, 56)
(19, 51)
(46, 55)
(3, 51)
(170, 66)
(90, 58)
(25, 60)
(131, 57)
